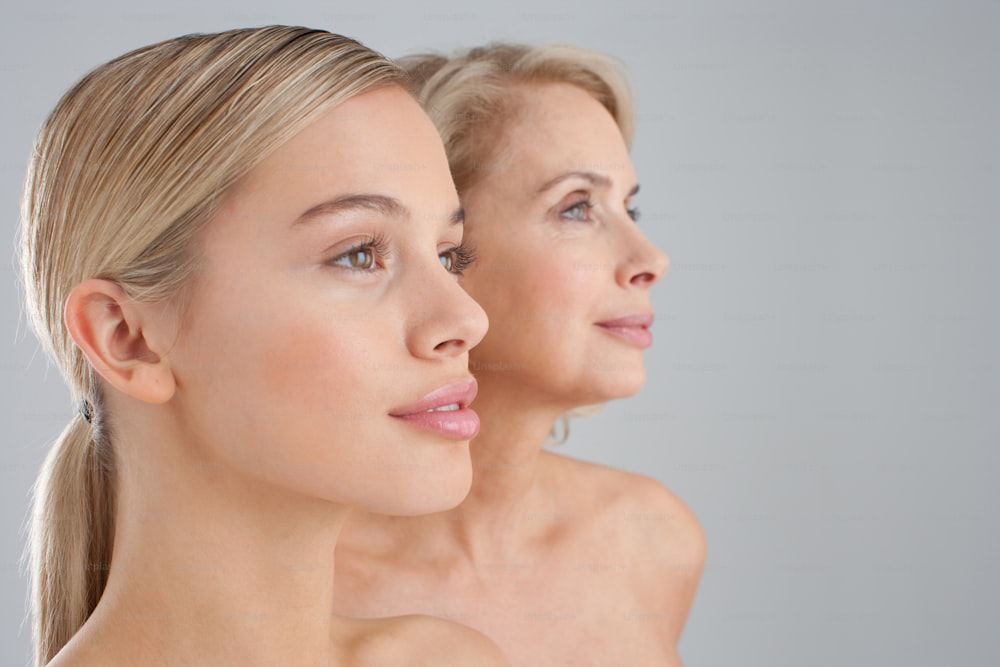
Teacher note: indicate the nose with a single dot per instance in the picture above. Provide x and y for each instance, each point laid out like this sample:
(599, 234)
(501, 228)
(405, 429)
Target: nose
(444, 320)
(643, 264)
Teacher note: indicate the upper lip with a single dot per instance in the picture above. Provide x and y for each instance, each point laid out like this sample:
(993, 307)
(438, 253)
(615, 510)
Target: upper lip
(460, 391)
(636, 321)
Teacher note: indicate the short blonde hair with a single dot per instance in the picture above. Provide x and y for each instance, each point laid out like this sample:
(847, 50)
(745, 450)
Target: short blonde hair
(125, 172)
(469, 95)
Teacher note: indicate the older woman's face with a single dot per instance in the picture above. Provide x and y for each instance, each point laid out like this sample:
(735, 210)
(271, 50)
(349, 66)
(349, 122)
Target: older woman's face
(325, 346)
(563, 271)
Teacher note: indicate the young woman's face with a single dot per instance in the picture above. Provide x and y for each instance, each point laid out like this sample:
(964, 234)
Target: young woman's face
(325, 347)
(563, 271)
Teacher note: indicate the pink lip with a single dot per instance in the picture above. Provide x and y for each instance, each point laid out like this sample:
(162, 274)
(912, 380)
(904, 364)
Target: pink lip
(631, 328)
(460, 424)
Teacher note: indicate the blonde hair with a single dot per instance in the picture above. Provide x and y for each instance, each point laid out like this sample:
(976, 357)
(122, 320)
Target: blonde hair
(470, 96)
(124, 173)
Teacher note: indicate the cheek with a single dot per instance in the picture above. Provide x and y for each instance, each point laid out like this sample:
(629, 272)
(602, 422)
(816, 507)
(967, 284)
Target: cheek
(260, 352)
(300, 362)
(540, 307)
(288, 390)
(321, 361)
(545, 291)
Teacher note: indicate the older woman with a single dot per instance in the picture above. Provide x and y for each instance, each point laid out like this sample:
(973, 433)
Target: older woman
(562, 562)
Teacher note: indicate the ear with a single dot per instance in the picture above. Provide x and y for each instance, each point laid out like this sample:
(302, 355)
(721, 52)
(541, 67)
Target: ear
(118, 337)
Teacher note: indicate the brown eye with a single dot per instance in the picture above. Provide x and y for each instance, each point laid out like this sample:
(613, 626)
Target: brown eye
(448, 260)
(371, 254)
(456, 260)
(361, 258)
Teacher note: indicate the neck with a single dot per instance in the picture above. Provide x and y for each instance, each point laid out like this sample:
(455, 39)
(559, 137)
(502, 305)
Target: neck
(511, 494)
(211, 567)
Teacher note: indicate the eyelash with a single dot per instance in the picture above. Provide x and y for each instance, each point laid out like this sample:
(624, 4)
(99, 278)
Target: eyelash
(378, 245)
(632, 212)
(464, 257)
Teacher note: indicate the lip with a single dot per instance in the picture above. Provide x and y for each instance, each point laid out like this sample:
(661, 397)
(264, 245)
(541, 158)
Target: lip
(454, 424)
(632, 328)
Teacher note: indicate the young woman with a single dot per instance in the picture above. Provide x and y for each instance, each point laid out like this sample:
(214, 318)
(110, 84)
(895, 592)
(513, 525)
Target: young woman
(561, 562)
(258, 312)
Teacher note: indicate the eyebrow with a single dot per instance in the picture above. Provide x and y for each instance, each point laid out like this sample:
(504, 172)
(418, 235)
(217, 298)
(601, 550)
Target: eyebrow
(387, 206)
(593, 178)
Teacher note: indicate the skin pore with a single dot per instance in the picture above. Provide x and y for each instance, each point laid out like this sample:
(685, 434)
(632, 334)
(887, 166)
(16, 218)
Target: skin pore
(562, 562)
(248, 424)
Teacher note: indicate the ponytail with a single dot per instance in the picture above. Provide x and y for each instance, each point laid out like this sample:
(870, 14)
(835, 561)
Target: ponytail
(71, 534)
(125, 172)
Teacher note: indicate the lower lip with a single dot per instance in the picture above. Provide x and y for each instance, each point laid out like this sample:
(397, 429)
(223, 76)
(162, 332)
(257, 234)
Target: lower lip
(452, 424)
(638, 336)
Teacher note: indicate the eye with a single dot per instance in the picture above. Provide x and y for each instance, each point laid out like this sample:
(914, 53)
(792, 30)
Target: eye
(633, 213)
(457, 259)
(356, 258)
(579, 211)
(365, 256)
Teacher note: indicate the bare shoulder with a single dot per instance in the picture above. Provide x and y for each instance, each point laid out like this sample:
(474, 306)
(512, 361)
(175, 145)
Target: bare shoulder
(87, 649)
(635, 496)
(88, 656)
(673, 527)
(648, 518)
(649, 530)
(425, 640)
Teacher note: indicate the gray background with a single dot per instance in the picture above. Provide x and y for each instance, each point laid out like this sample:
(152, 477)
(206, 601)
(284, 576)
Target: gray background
(823, 389)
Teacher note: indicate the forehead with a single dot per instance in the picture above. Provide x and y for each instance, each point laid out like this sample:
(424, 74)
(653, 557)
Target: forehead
(379, 145)
(379, 138)
(559, 127)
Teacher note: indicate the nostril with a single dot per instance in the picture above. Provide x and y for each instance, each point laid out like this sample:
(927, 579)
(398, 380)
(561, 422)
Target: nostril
(455, 344)
(642, 279)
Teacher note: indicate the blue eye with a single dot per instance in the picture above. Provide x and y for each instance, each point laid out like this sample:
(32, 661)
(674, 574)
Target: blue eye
(579, 211)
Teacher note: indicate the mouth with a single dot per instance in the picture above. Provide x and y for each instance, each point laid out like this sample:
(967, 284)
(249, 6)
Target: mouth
(444, 411)
(633, 329)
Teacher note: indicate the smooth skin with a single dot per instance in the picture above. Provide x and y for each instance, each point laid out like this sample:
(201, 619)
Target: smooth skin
(562, 562)
(249, 420)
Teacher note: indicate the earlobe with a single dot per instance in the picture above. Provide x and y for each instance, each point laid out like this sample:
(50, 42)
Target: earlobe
(113, 333)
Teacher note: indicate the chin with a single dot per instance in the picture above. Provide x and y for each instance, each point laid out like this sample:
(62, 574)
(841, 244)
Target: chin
(632, 386)
(428, 493)
(619, 382)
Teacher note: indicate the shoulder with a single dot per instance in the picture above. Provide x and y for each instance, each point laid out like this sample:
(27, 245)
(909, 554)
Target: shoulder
(426, 639)
(641, 515)
(664, 534)
(88, 647)
(670, 529)
(632, 498)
